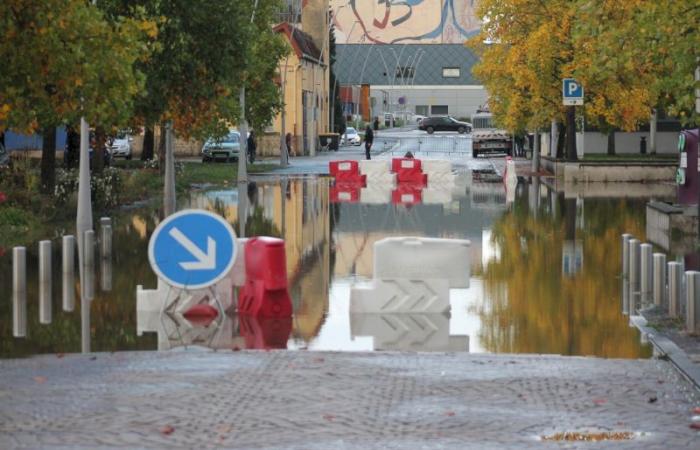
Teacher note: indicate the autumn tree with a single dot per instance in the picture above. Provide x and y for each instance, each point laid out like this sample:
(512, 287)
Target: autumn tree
(631, 57)
(61, 61)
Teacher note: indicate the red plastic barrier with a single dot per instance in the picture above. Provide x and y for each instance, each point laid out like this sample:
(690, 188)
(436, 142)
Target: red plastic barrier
(408, 170)
(265, 333)
(265, 292)
(407, 194)
(346, 172)
(202, 315)
(345, 192)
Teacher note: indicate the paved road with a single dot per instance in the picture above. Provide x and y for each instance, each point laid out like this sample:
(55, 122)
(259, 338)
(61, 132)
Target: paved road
(304, 400)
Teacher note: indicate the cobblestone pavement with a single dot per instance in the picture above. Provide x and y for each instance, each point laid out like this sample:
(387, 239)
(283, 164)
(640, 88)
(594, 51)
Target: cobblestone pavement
(304, 400)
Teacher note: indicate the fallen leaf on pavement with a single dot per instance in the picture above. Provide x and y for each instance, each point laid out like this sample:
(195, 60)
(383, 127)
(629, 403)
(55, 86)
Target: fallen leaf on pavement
(450, 413)
(166, 430)
(318, 360)
(696, 411)
(329, 417)
(40, 380)
(653, 399)
(60, 355)
(599, 401)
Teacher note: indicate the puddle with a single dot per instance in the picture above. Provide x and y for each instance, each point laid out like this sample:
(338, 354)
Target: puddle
(542, 279)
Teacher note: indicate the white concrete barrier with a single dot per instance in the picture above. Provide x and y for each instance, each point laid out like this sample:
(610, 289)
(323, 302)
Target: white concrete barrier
(378, 172)
(376, 193)
(423, 258)
(400, 296)
(437, 194)
(408, 332)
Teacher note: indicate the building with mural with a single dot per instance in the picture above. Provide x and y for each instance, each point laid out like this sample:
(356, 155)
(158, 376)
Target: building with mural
(406, 57)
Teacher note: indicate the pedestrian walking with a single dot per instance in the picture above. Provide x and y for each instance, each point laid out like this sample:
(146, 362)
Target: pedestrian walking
(288, 142)
(369, 140)
(252, 145)
(376, 123)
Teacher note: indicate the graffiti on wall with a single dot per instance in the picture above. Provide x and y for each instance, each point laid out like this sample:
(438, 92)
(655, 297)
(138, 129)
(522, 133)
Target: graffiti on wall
(404, 21)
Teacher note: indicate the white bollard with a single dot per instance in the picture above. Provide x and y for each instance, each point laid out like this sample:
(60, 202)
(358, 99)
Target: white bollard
(89, 262)
(634, 264)
(645, 271)
(626, 255)
(659, 279)
(45, 282)
(675, 284)
(106, 241)
(19, 292)
(68, 273)
(692, 301)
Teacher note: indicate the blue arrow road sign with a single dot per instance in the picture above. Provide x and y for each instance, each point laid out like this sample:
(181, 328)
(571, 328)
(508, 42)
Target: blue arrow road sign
(572, 92)
(192, 249)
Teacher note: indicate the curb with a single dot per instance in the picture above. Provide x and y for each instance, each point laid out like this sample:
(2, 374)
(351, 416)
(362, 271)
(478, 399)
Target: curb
(678, 358)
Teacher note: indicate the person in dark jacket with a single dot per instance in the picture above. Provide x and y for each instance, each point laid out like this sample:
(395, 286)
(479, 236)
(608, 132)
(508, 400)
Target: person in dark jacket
(369, 140)
(251, 147)
(288, 142)
(376, 123)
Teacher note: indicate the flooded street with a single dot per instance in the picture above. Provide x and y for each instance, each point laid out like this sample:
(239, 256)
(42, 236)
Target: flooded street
(544, 273)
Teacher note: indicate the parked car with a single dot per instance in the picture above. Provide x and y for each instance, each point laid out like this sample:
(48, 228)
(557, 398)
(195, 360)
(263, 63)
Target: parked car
(351, 136)
(4, 156)
(121, 146)
(226, 148)
(444, 123)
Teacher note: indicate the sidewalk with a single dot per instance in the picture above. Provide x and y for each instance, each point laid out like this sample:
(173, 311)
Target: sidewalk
(305, 400)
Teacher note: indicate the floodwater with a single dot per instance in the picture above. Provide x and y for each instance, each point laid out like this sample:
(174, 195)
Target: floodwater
(542, 273)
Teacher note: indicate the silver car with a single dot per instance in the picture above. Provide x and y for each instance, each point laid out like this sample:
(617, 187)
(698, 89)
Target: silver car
(350, 137)
(121, 146)
(226, 148)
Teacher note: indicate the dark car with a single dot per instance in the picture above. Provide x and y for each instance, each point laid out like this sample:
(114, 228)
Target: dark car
(444, 123)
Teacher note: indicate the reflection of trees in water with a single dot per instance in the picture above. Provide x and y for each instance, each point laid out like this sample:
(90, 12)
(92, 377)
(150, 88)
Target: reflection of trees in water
(113, 314)
(533, 308)
(258, 225)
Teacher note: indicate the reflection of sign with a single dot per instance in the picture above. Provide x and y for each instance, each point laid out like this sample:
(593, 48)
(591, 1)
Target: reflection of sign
(402, 100)
(192, 249)
(572, 92)
(572, 257)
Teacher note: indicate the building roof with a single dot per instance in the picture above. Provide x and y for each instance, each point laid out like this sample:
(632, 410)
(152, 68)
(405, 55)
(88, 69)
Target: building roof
(377, 64)
(302, 43)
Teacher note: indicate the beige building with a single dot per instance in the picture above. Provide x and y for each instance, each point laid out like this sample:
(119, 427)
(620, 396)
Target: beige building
(304, 78)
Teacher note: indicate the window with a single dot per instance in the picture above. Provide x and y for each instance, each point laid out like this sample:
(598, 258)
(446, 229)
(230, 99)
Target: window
(439, 110)
(450, 72)
(422, 110)
(405, 72)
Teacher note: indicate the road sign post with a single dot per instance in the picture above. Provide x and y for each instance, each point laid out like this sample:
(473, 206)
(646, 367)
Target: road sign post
(572, 95)
(192, 249)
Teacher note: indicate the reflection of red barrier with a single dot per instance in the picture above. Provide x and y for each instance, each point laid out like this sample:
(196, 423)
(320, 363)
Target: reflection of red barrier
(407, 194)
(408, 170)
(346, 172)
(345, 192)
(265, 293)
(202, 315)
(265, 333)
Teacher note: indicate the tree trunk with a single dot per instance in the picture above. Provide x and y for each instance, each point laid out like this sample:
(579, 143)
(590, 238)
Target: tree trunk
(611, 143)
(148, 137)
(70, 155)
(98, 159)
(561, 140)
(571, 134)
(48, 161)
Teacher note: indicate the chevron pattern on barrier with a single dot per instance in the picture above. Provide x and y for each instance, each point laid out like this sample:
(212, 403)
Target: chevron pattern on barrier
(401, 296)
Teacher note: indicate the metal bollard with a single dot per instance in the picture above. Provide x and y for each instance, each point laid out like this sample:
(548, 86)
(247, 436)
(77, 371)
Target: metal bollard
(659, 279)
(626, 255)
(625, 297)
(692, 301)
(45, 282)
(105, 221)
(68, 273)
(106, 275)
(634, 263)
(19, 292)
(645, 271)
(674, 288)
(106, 241)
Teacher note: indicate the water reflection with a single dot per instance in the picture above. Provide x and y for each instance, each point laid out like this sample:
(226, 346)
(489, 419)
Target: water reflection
(543, 279)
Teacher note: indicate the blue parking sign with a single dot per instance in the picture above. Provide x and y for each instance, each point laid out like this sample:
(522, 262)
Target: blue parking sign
(192, 249)
(572, 92)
